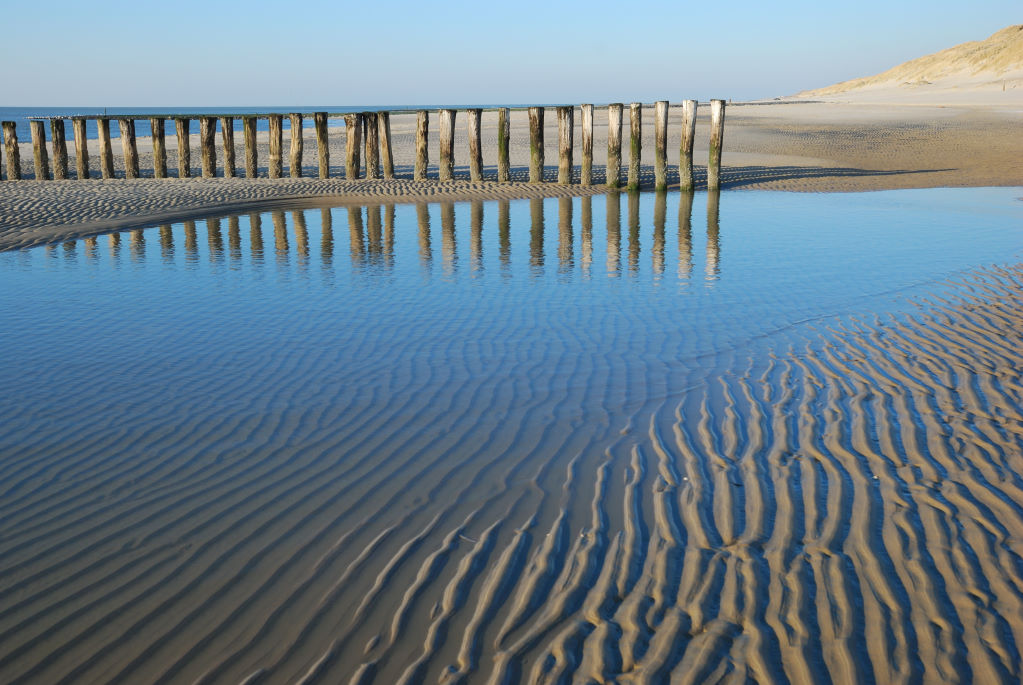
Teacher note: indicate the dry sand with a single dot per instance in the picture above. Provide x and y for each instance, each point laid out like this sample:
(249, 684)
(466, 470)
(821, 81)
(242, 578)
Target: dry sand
(796, 146)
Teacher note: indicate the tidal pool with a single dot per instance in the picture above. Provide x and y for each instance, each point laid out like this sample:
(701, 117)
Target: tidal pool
(631, 438)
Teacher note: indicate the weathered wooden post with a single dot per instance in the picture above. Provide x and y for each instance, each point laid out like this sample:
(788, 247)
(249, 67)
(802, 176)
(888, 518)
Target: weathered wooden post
(536, 145)
(353, 140)
(685, 155)
(322, 149)
(13, 150)
(81, 149)
(717, 133)
(181, 127)
(635, 143)
(227, 140)
(369, 120)
(447, 144)
(129, 149)
(503, 139)
(614, 145)
(661, 144)
(295, 153)
(59, 149)
(384, 134)
(208, 146)
(566, 135)
(159, 148)
(106, 153)
(41, 159)
(422, 140)
(475, 144)
(251, 154)
(586, 175)
(276, 165)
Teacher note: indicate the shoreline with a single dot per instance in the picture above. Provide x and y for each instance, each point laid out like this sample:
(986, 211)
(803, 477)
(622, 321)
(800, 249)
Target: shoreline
(788, 146)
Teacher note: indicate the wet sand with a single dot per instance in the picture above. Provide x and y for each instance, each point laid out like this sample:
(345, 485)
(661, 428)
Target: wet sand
(845, 508)
(795, 146)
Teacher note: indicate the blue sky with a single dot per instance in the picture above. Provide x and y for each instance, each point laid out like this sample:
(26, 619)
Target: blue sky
(210, 53)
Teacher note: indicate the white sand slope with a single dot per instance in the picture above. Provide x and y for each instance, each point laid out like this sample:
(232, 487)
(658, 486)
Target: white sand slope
(987, 72)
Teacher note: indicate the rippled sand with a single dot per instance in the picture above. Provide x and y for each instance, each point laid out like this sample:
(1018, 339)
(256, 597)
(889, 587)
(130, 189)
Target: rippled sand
(848, 507)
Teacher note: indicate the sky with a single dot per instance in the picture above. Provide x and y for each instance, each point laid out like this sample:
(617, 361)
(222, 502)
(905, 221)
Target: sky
(206, 53)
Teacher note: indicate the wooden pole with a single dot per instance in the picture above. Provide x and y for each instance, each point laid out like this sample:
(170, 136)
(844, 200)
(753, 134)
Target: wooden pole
(475, 144)
(384, 134)
(536, 144)
(181, 127)
(81, 149)
(447, 144)
(586, 175)
(129, 149)
(13, 150)
(685, 155)
(276, 166)
(106, 153)
(40, 158)
(717, 133)
(322, 149)
(251, 154)
(353, 140)
(503, 139)
(372, 140)
(59, 141)
(227, 140)
(295, 153)
(422, 149)
(159, 148)
(661, 144)
(614, 144)
(566, 134)
(208, 146)
(635, 143)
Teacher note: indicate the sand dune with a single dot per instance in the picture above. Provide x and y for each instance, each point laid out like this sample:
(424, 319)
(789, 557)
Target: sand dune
(980, 72)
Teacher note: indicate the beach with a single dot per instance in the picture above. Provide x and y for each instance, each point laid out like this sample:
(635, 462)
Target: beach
(776, 145)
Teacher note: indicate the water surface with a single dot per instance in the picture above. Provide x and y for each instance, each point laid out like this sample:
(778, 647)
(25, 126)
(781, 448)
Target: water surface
(517, 440)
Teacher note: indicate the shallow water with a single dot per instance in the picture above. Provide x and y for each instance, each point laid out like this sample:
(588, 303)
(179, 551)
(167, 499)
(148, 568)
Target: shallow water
(610, 438)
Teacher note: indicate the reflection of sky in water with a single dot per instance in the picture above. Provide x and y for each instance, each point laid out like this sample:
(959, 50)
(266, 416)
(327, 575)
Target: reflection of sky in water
(654, 280)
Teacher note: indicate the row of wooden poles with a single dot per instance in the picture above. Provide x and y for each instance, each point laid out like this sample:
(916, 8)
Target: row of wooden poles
(370, 133)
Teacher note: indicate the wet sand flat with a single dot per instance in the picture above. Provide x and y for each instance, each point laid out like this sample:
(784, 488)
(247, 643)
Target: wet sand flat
(625, 439)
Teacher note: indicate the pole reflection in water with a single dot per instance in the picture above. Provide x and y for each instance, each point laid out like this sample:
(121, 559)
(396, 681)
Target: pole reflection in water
(713, 246)
(374, 236)
(586, 218)
(633, 233)
(504, 236)
(566, 256)
(91, 253)
(256, 237)
(389, 215)
(326, 238)
(476, 237)
(536, 236)
(685, 235)
(234, 238)
(356, 243)
(657, 252)
(448, 251)
(423, 220)
(191, 249)
(614, 233)
(301, 238)
(216, 240)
